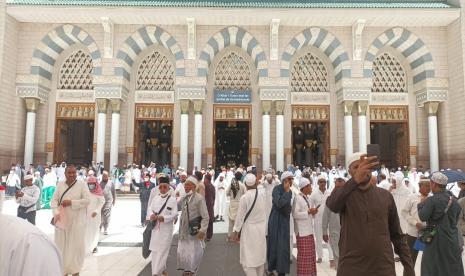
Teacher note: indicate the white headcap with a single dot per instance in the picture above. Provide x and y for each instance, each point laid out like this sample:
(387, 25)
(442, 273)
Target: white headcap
(303, 182)
(249, 168)
(192, 180)
(28, 177)
(399, 176)
(321, 177)
(250, 179)
(439, 178)
(354, 157)
(285, 175)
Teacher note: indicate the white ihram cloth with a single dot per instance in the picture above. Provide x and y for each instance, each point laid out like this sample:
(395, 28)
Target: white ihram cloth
(253, 238)
(234, 201)
(26, 251)
(401, 195)
(93, 223)
(410, 214)
(70, 240)
(220, 199)
(269, 196)
(319, 198)
(162, 233)
(384, 184)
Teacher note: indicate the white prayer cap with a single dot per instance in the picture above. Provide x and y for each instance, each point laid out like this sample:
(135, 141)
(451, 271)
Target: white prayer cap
(439, 178)
(28, 177)
(250, 179)
(192, 180)
(37, 173)
(304, 182)
(249, 168)
(399, 176)
(322, 177)
(354, 157)
(91, 172)
(286, 174)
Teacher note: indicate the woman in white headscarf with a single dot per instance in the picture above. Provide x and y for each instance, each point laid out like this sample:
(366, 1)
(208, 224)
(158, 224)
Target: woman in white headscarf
(400, 193)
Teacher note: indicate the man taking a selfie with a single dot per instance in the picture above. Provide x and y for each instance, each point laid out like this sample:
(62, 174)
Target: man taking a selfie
(367, 229)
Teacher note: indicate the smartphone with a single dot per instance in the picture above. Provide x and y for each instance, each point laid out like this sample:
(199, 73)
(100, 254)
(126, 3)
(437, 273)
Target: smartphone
(373, 150)
(318, 206)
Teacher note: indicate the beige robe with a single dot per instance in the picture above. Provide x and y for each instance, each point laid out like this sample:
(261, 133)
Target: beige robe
(70, 241)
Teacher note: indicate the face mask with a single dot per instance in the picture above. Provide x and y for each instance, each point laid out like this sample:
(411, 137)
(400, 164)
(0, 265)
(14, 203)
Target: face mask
(91, 186)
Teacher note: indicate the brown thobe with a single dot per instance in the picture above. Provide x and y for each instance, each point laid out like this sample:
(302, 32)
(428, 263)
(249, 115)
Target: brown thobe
(210, 193)
(369, 224)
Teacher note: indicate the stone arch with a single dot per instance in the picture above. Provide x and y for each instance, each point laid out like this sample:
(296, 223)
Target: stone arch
(141, 39)
(239, 37)
(327, 43)
(410, 46)
(55, 42)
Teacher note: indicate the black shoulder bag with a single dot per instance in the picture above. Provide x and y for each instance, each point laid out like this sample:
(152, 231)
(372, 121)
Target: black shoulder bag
(147, 235)
(427, 234)
(250, 211)
(195, 224)
(52, 221)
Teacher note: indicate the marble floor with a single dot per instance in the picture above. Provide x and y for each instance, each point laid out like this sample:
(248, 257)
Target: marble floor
(119, 253)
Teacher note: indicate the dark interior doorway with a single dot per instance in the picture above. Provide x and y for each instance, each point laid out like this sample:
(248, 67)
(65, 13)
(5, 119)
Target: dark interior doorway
(310, 142)
(153, 140)
(232, 143)
(393, 141)
(74, 141)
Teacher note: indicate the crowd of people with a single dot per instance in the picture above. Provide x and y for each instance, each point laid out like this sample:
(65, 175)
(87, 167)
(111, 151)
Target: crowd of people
(368, 217)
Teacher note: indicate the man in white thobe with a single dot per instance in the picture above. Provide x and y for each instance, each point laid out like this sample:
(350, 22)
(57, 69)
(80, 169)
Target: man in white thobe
(27, 250)
(384, 183)
(12, 183)
(162, 232)
(27, 199)
(70, 216)
(220, 187)
(253, 238)
(318, 200)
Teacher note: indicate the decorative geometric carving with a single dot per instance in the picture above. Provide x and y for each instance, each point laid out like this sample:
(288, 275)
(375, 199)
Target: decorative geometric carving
(388, 75)
(233, 112)
(154, 112)
(274, 39)
(390, 98)
(76, 72)
(49, 147)
(155, 73)
(154, 97)
(75, 96)
(190, 38)
(75, 111)
(232, 73)
(435, 94)
(309, 75)
(32, 104)
(191, 93)
(314, 98)
(111, 92)
(310, 113)
(388, 113)
(32, 91)
(273, 94)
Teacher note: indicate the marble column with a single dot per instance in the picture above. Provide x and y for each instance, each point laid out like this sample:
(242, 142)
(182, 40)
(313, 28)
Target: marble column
(32, 104)
(348, 137)
(432, 111)
(198, 108)
(280, 135)
(362, 125)
(102, 106)
(266, 108)
(184, 134)
(114, 139)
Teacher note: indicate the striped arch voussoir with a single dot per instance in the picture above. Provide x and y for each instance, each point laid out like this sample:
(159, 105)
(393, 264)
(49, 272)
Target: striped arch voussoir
(140, 40)
(54, 43)
(410, 46)
(327, 43)
(233, 36)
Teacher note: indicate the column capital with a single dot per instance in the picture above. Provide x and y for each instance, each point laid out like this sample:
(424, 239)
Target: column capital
(353, 89)
(115, 105)
(102, 105)
(184, 104)
(431, 108)
(32, 104)
(266, 107)
(198, 106)
(279, 105)
(362, 107)
(348, 106)
(29, 86)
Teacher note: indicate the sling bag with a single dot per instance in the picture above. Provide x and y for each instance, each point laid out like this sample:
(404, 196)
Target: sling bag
(52, 222)
(194, 224)
(248, 213)
(426, 235)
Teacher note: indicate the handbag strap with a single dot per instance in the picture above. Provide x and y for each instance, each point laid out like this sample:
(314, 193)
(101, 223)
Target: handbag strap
(69, 187)
(251, 208)
(164, 205)
(445, 210)
(306, 200)
(187, 206)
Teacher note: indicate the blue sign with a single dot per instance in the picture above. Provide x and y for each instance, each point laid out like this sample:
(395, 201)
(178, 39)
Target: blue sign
(233, 96)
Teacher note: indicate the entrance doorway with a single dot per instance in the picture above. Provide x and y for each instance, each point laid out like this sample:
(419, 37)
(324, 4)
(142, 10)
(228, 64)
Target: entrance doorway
(393, 141)
(74, 141)
(232, 143)
(152, 142)
(310, 136)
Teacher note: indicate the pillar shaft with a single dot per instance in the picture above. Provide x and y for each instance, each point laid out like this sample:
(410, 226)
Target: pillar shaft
(266, 108)
(102, 105)
(280, 135)
(432, 110)
(348, 137)
(31, 107)
(184, 133)
(198, 107)
(114, 140)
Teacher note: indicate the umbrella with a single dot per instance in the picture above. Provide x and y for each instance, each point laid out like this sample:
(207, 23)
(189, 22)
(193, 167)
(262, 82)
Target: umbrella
(454, 175)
